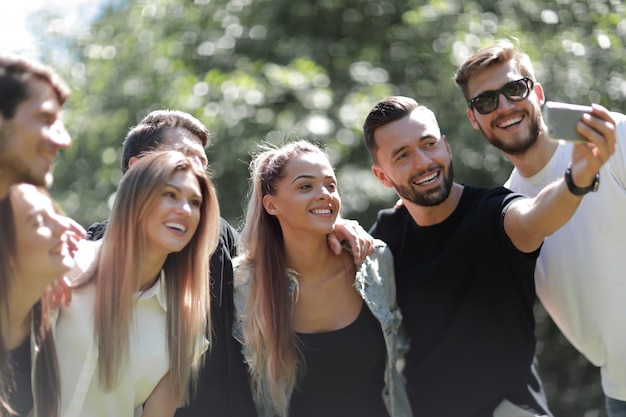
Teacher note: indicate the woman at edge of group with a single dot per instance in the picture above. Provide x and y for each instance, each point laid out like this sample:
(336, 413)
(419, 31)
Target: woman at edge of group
(319, 334)
(35, 250)
(147, 283)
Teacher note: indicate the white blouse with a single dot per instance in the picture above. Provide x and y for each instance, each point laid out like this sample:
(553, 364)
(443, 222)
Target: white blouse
(77, 356)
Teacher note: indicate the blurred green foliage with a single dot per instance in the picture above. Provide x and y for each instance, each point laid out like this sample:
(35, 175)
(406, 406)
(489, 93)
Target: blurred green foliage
(274, 70)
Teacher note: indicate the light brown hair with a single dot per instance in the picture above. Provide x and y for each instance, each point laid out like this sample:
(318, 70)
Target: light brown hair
(267, 326)
(501, 52)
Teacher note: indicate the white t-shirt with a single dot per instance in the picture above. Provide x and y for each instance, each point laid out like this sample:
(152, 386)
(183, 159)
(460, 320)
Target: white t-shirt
(581, 271)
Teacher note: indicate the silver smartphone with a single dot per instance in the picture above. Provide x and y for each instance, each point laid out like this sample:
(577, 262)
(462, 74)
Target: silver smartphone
(562, 118)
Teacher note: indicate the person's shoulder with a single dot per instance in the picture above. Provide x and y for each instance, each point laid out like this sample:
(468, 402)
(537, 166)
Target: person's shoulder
(392, 214)
(483, 194)
(487, 200)
(84, 257)
(228, 234)
(226, 228)
(381, 251)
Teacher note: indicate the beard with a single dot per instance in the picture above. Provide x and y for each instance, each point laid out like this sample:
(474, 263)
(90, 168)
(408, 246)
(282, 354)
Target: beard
(519, 145)
(429, 198)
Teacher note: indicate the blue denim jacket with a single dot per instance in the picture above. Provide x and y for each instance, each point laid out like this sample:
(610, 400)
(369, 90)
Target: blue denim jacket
(375, 281)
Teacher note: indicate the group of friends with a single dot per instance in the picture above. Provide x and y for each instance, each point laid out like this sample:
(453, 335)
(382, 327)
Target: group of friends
(166, 309)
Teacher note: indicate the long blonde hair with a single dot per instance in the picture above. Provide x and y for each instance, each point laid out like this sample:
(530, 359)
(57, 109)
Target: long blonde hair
(187, 272)
(116, 271)
(267, 326)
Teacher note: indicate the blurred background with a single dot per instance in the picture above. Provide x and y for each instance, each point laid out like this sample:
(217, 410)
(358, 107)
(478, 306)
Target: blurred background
(273, 70)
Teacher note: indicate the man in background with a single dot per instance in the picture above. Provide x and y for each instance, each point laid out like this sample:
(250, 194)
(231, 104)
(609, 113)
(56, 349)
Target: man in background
(31, 131)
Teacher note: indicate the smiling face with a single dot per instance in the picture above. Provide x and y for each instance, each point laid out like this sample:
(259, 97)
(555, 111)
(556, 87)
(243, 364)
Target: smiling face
(306, 197)
(414, 159)
(29, 141)
(174, 218)
(515, 126)
(41, 239)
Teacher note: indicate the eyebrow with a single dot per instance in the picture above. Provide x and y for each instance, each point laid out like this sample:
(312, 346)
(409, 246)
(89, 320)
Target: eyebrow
(177, 188)
(311, 177)
(428, 136)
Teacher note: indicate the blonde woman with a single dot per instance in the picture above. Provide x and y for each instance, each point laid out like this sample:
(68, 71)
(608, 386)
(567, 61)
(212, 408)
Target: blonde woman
(130, 341)
(35, 244)
(318, 332)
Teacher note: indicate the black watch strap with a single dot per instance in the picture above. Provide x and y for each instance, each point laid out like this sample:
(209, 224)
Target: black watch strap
(580, 191)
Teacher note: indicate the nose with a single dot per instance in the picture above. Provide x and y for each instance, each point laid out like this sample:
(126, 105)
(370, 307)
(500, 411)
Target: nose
(59, 225)
(504, 102)
(185, 207)
(421, 159)
(325, 194)
(59, 136)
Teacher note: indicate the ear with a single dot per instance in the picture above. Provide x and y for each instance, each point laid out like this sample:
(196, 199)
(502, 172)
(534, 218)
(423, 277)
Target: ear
(539, 93)
(382, 177)
(472, 119)
(132, 160)
(269, 205)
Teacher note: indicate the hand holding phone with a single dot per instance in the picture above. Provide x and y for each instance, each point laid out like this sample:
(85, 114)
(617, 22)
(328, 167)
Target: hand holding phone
(562, 118)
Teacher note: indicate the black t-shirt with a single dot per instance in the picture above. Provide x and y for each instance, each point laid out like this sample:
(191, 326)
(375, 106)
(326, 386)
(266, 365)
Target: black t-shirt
(344, 371)
(467, 295)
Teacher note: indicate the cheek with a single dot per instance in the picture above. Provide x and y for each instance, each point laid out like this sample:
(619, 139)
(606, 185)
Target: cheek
(194, 220)
(33, 246)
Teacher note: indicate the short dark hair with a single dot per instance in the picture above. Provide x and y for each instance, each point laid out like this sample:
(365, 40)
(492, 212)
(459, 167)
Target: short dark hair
(386, 111)
(150, 132)
(16, 72)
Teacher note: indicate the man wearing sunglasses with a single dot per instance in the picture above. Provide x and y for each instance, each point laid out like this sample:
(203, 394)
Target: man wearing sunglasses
(580, 275)
(464, 260)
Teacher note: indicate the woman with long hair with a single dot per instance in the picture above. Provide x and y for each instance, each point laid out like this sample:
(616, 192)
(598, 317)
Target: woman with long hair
(319, 334)
(130, 342)
(34, 251)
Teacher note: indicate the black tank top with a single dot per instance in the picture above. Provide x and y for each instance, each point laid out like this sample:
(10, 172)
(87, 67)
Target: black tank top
(20, 394)
(343, 371)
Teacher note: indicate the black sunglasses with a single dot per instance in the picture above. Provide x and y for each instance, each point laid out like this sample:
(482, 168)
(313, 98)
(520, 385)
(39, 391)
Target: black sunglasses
(488, 101)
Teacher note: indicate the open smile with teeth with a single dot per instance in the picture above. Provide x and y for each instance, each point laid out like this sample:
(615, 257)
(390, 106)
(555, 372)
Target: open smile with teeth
(176, 226)
(428, 179)
(510, 122)
(321, 211)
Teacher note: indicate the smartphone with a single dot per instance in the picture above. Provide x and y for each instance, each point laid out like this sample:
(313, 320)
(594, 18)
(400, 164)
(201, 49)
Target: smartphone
(562, 118)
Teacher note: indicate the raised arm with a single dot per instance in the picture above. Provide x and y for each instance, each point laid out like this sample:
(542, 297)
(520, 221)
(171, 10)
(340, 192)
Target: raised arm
(528, 221)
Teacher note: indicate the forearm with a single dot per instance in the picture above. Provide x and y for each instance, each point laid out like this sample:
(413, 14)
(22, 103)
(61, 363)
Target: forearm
(529, 221)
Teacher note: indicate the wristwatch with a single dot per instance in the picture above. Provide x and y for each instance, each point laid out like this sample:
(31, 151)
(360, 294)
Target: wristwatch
(580, 191)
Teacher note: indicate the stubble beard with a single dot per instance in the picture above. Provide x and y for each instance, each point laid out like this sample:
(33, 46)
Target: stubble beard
(19, 169)
(519, 145)
(428, 198)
